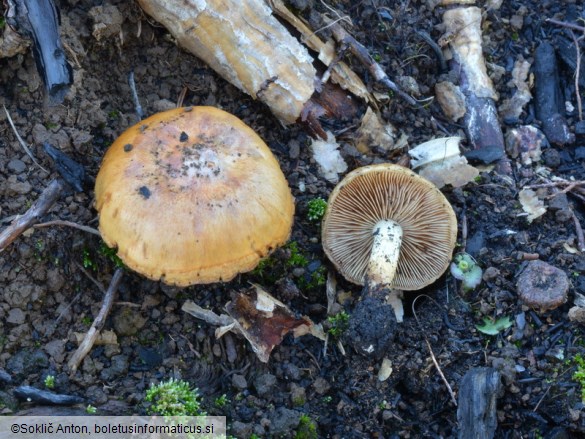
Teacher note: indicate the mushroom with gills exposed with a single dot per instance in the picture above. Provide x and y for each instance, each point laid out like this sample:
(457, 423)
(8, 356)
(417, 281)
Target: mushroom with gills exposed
(391, 230)
(191, 196)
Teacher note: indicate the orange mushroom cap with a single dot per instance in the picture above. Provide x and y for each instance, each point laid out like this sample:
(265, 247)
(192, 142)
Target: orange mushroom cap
(192, 195)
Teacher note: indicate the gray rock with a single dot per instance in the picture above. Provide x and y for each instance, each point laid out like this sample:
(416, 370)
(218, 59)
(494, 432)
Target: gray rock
(239, 382)
(298, 395)
(118, 367)
(56, 350)
(15, 187)
(283, 420)
(291, 371)
(16, 316)
(128, 321)
(240, 429)
(8, 401)
(321, 386)
(16, 166)
(26, 362)
(264, 383)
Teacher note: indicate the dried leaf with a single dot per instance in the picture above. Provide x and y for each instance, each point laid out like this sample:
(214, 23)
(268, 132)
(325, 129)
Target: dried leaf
(441, 163)
(531, 204)
(326, 154)
(262, 328)
(374, 133)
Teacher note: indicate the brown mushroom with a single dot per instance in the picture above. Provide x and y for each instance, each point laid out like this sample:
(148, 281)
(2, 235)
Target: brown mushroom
(542, 286)
(192, 195)
(388, 229)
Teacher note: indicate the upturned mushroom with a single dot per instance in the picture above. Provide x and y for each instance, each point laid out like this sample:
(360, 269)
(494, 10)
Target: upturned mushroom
(192, 195)
(388, 229)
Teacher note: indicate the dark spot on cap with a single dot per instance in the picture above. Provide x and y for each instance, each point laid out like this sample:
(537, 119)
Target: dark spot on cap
(183, 137)
(128, 147)
(145, 192)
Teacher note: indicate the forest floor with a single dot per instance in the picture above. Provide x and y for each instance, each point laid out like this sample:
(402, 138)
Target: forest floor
(47, 294)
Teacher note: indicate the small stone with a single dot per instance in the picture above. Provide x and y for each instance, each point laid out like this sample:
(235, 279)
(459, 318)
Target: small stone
(526, 142)
(490, 274)
(239, 382)
(128, 321)
(16, 166)
(558, 202)
(298, 395)
(118, 367)
(580, 128)
(16, 316)
(264, 383)
(56, 350)
(283, 420)
(294, 149)
(577, 314)
(240, 429)
(321, 386)
(552, 158)
(5, 377)
(579, 153)
(542, 286)
(15, 187)
(26, 362)
(291, 371)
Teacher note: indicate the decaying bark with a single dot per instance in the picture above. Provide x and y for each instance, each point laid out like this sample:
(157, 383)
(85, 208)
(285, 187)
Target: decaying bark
(463, 35)
(478, 393)
(33, 215)
(246, 45)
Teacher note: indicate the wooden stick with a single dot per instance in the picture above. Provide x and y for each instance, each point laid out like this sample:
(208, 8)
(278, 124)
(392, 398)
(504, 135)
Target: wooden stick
(97, 324)
(32, 216)
(68, 224)
(361, 53)
(435, 362)
(21, 141)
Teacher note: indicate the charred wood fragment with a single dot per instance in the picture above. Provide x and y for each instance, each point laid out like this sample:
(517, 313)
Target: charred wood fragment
(548, 97)
(568, 54)
(33, 394)
(39, 21)
(71, 171)
(476, 411)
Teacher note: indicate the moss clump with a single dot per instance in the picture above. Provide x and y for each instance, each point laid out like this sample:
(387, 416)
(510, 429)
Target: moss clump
(174, 398)
(307, 428)
(316, 209)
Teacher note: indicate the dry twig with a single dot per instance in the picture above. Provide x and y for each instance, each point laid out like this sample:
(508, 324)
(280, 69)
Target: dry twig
(361, 53)
(21, 141)
(435, 362)
(97, 324)
(68, 224)
(579, 232)
(32, 216)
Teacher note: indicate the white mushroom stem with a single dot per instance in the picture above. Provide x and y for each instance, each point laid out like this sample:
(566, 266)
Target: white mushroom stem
(384, 260)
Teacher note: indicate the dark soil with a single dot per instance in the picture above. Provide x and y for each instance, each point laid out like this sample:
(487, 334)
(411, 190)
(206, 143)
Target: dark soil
(47, 295)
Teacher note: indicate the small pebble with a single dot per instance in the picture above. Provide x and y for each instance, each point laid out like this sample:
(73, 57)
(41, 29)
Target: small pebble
(16, 166)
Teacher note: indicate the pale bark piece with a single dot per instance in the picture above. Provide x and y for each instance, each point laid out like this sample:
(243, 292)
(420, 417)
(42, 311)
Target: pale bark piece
(463, 32)
(244, 43)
